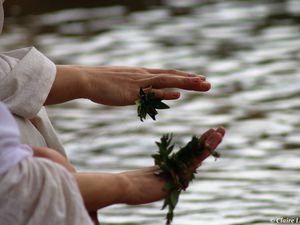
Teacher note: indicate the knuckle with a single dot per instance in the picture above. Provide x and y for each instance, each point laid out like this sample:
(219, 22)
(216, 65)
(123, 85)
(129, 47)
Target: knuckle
(143, 82)
(136, 81)
(128, 74)
(186, 81)
(161, 79)
(141, 71)
(172, 71)
(158, 94)
(144, 69)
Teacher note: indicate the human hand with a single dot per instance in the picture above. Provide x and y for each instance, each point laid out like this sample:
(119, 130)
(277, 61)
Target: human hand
(212, 138)
(145, 186)
(119, 86)
(54, 156)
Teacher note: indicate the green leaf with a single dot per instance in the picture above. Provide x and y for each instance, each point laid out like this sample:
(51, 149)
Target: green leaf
(169, 186)
(161, 105)
(169, 217)
(147, 104)
(166, 203)
(174, 196)
(176, 167)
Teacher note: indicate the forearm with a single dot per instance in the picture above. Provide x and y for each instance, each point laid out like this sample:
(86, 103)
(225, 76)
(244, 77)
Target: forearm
(144, 186)
(119, 86)
(99, 190)
(69, 84)
(134, 187)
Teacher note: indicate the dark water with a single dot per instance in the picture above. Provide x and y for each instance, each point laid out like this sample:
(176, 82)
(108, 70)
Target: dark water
(249, 50)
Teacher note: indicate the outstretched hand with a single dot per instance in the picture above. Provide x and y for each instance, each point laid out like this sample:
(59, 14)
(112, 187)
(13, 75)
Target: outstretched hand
(147, 187)
(119, 86)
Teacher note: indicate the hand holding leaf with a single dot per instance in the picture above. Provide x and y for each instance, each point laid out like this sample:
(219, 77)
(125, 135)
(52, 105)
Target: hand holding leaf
(179, 168)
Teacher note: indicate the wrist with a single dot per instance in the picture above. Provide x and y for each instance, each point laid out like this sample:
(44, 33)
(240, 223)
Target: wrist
(142, 186)
(70, 82)
(83, 81)
(126, 188)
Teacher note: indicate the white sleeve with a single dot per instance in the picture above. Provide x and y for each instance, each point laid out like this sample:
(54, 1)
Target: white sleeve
(26, 77)
(38, 191)
(11, 150)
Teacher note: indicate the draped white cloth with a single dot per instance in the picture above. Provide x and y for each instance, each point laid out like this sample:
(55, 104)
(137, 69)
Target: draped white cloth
(33, 191)
(11, 150)
(26, 77)
(39, 192)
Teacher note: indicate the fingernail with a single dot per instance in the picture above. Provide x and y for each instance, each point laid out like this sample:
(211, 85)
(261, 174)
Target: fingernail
(176, 95)
(206, 85)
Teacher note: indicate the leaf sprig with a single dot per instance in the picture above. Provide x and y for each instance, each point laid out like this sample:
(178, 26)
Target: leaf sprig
(148, 103)
(177, 168)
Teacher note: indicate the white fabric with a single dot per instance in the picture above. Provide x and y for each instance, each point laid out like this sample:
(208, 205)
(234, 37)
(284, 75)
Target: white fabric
(39, 192)
(11, 150)
(33, 191)
(26, 77)
(39, 132)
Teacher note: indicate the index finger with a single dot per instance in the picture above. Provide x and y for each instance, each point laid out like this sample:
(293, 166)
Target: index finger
(168, 81)
(174, 72)
(213, 140)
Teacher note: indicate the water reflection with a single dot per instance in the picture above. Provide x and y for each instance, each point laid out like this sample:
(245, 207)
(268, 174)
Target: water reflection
(249, 50)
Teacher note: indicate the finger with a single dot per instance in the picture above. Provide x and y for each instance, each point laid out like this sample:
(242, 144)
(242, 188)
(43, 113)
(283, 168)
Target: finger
(167, 81)
(205, 135)
(166, 95)
(221, 131)
(213, 140)
(175, 72)
(124, 69)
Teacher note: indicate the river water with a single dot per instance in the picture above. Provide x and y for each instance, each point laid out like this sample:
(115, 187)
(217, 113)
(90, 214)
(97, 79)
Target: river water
(249, 51)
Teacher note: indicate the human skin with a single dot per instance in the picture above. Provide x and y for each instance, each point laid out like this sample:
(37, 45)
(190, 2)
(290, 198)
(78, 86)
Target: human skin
(119, 86)
(131, 187)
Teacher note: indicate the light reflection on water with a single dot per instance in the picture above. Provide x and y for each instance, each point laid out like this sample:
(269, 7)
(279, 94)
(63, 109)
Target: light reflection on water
(250, 53)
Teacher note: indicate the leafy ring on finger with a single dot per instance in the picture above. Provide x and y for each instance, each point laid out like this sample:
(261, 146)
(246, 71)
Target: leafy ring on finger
(148, 103)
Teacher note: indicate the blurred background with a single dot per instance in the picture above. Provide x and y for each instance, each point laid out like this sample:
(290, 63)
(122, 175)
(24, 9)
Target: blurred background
(250, 52)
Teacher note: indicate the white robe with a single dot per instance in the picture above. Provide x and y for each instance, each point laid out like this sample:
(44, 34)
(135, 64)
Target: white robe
(33, 191)
(26, 77)
(39, 192)
(11, 150)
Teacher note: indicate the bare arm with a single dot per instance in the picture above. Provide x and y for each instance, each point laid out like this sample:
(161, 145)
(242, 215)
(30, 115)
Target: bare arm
(133, 187)
(119, 86)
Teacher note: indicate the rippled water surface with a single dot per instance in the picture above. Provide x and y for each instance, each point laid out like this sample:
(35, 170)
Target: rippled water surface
(249, 50)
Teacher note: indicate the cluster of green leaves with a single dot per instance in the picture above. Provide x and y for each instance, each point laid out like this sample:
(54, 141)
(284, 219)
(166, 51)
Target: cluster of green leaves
(177, 168)
(148, 104)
